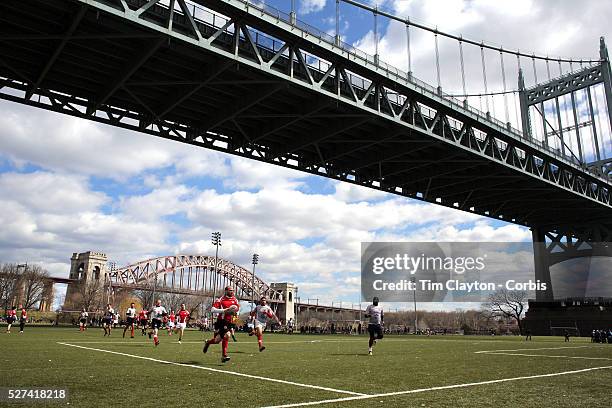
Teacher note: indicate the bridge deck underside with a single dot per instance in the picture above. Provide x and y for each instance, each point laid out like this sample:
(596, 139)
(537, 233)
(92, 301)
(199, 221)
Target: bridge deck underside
(115, 62)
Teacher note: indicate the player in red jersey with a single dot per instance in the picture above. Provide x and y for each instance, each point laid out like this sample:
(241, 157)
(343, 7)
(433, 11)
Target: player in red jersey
(23, 319)
(142, 320)
(224, 323)
(261, 315)
(183, 316)
(11, 316)
(171, 322)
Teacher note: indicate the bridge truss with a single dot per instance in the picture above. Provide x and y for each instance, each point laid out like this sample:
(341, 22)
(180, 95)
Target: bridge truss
(192, 275)
(233, 78)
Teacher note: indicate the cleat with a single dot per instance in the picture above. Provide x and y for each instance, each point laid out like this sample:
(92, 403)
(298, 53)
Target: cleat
(369, 353)
(205, 349)
(262, 348)
(225, 359)
(131, 337)
(180, 342)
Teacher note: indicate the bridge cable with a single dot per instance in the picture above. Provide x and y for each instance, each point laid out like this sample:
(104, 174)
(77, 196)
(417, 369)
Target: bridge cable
(376, 35)
(451, 36)
(437, 62)
(535, 71)
(503, 71)
(484, 77)
(462, 68)
(516, 114)
(548, 69)
(408, 48)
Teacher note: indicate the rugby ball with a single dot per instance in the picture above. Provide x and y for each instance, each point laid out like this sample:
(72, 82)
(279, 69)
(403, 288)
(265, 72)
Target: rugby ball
(232, 310)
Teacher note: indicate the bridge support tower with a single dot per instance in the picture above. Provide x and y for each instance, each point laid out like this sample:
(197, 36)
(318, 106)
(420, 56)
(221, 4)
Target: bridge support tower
(86, 267)
(286, 310)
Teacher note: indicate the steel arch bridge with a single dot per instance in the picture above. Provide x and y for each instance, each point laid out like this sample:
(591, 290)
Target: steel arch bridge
(191, 275)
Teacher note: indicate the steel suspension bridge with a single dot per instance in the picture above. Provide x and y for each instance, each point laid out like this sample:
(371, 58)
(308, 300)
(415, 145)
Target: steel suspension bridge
(254, 81)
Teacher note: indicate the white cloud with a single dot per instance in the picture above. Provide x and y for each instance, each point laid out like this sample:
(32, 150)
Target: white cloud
(311, 6)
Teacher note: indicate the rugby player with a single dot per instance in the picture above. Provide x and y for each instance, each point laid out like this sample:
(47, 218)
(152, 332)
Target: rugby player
(262, 314)
(130, 318)
(11, 316)
(83, 320)
(142, 320)
(183, 316)
(157, 314)
(170, 323)
(224, 323)
(22, 319)
(375, 327)
(107, 320)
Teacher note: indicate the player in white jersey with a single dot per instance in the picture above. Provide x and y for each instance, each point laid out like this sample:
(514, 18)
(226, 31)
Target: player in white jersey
(157, 314)
(130, 319)
(375, 327)
(262, 314)
(83, 320)
(107, 321)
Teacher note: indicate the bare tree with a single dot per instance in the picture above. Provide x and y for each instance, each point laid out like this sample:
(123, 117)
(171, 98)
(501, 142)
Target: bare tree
(508, 304)
(33, 279)
(90, 295)
(9, 276)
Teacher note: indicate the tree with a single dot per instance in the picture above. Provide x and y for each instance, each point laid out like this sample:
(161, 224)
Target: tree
(508, 304)
(33, 279)
(9, 275)
(90, 295)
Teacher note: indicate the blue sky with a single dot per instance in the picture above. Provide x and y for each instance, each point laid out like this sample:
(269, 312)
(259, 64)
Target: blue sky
(69, 185)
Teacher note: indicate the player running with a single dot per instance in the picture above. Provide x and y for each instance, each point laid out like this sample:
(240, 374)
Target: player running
(130, 318)
(83, 320)
(157, 314)
(143, 320)
(183, 317)
(226, 306)
(170, 324)
(375, 327)
(262, 314)
(22, 319)
(11, 316)
(107, 320)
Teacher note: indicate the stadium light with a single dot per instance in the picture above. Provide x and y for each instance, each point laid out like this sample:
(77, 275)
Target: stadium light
(413, 280)
(255, 262)
(216, 241)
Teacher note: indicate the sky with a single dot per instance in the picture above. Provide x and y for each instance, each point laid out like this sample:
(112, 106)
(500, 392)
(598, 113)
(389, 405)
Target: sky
(69, 185)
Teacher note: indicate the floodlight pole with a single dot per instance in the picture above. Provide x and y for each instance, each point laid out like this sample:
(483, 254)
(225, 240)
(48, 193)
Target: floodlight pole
(255, 262)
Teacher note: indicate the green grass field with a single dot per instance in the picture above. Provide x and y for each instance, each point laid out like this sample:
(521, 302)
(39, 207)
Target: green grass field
(297, 369)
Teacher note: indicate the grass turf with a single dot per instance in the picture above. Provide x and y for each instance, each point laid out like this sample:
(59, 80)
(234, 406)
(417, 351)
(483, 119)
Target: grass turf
(99, 379)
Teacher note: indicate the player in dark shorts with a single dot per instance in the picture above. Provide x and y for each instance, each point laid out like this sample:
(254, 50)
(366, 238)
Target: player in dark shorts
(22, 319)
(11, 316)
(83, 320)
(143, 321)
(375, 327)
(107, 320)
(226, 307)
(130, 319)
(157, 314)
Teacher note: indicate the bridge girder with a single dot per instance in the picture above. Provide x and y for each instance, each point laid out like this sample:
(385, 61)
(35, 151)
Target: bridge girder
(151, 45)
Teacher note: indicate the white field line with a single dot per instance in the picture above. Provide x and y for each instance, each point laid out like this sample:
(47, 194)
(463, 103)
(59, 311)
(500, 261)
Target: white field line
(545, 355)
(216, 370)
(444, 387)
(361, 340)
(530, 349)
